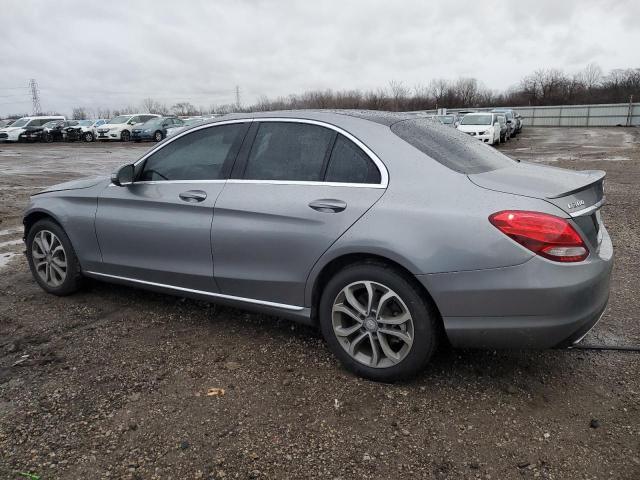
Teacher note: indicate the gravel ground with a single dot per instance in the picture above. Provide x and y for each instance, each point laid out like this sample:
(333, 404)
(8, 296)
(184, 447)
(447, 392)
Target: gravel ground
(114, 382)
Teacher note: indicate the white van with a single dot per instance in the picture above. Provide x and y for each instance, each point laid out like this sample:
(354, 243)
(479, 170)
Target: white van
(16, 131)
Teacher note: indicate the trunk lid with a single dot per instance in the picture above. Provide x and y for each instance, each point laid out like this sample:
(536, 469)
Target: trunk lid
(574, 192)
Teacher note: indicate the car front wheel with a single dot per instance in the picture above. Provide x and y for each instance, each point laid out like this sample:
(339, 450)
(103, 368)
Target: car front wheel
(157, 136)
(376, 321)
(88, 137)
(51, 258)
(125, 136)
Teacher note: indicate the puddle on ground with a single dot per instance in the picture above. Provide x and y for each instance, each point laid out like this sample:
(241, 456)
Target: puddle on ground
(11, 243)
(5, 258)
(10, 231)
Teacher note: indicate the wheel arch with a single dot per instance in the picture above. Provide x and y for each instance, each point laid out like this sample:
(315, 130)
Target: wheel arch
(34, 216)
(323, 275)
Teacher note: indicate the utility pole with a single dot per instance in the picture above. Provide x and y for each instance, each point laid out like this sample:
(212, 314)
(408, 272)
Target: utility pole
(35, 97)
(630, 112)
(238, 98)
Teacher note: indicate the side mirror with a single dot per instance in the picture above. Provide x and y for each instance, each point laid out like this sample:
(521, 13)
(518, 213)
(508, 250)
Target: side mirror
(123, 176)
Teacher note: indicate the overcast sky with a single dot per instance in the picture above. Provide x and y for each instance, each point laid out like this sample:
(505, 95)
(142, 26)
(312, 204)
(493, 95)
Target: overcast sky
(115, 53)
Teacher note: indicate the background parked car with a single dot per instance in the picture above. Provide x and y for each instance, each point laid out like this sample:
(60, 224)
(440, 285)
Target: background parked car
(450, 119)
(16, 132)
(155, 129)
(504, 129)
(119, 128)
(56, 131)
(189, 122)
(482, 125)
(511, 120)
(84, 130)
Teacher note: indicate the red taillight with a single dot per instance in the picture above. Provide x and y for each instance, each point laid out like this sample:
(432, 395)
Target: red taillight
(549, 236)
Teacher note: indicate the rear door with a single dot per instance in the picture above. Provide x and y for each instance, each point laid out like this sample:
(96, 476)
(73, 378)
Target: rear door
(158, 229)
(294, 190)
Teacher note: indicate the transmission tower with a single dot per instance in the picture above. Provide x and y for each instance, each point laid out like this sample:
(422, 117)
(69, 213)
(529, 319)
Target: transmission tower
(35, 96)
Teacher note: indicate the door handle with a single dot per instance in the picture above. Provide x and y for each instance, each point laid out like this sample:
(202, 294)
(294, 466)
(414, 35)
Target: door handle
(328, 205)
(193, 196)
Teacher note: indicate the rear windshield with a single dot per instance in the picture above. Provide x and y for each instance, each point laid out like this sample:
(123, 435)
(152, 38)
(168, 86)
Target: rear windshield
(453, 149)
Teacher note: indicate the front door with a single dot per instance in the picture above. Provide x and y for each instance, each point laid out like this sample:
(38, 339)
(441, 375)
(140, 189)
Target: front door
(158, 229)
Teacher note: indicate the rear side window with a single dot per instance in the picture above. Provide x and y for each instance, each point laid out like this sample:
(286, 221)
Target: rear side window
(288, 151)
(200, 155)
(349, 164)
(453, 149)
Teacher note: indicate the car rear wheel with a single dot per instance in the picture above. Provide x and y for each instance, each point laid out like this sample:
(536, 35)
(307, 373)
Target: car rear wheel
(376, 321)
(51, 258)
(157, 136)
(88, 137)
(125, 136)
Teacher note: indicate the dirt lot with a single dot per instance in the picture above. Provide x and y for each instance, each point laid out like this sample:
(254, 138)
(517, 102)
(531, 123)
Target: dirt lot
(112, 382)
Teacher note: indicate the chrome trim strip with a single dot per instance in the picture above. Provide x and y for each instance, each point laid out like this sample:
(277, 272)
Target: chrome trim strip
(303, 182)
(384, 173)
(590, 209)
(202, 292)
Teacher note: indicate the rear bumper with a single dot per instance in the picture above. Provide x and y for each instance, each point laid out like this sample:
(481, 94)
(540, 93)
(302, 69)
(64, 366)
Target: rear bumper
(538, 304)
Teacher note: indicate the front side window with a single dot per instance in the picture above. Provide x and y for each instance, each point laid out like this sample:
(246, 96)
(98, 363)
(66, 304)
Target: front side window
(200, 155)
(349, 164)
(288, 151)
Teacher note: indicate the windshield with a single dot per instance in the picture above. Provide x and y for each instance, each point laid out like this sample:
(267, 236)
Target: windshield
(193, 121)
(153, 122)
(446, 119)
(459, 152)
(120, 119)
(85, 123)
(21, 122)
(476, 120)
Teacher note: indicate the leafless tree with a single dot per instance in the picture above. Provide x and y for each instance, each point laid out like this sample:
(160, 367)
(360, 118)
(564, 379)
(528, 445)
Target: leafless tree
(79, 113)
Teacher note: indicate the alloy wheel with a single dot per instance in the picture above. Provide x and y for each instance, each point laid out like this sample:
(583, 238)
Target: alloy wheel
(372, 324)
(158, 136)
(49, 258)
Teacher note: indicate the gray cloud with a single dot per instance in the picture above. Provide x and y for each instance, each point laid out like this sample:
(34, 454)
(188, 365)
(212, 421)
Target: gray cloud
(112, 54)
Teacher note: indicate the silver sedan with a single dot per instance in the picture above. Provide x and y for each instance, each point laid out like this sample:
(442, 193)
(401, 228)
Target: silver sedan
(389, 232)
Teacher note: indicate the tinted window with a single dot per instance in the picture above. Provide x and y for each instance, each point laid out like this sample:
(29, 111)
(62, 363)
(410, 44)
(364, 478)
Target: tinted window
(455, 150)
(197, 156)
(288, 151)
(350, 164)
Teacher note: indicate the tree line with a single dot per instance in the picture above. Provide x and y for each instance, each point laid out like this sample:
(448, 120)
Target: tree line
(543, 87)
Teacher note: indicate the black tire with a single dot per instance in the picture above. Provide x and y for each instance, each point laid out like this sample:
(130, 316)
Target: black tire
(48, 138)
(73, 279)
(157, 136)
(88, 137)
(423, 313)
(125, 136)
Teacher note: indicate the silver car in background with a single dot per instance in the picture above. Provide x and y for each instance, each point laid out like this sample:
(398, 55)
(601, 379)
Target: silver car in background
(389, 232)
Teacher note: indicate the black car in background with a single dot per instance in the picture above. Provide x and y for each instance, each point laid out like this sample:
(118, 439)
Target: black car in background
(53, 131)
(155, 129)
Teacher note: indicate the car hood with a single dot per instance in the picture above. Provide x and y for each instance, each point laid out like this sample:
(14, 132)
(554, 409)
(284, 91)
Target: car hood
(74, 184)
(11, 129)
(569, 190)
(112, 125)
